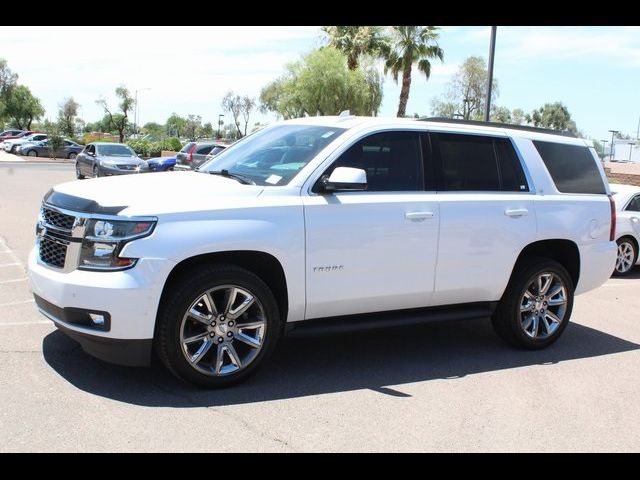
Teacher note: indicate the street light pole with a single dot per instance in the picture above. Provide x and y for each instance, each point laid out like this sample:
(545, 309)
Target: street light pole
(136, 110)
(613, 133)
(492, 49)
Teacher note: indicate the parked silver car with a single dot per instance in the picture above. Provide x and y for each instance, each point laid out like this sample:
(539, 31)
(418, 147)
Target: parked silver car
(68, 149)
(194, 154)
(105, 159)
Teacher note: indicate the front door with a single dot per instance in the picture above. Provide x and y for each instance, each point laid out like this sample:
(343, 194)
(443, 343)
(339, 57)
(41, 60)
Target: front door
(373, 250)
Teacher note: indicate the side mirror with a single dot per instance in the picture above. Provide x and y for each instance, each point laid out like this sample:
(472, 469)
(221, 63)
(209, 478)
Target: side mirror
(91, 154)
(345, 179)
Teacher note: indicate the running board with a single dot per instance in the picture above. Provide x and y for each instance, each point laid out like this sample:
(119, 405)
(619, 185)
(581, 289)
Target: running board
(396, 318)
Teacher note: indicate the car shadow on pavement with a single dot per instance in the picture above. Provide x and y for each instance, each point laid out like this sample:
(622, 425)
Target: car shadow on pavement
(312, 366)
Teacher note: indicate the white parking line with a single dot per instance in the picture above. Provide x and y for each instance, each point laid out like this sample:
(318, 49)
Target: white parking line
(14, 281)
(37, 322)
(20, 302)
(630, 283)
(10, 264)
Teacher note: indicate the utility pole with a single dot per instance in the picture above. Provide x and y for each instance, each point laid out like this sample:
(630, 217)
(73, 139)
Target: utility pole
(135, 112)
(613, 134)
(604, 145)
(492, 49)
(219, 117)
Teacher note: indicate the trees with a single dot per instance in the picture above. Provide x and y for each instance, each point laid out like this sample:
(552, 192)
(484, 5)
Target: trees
(466, 92)
(192, 125)
(321, 84)
(21, 107)
(552, 115)
(409, 45)
(355, 41)
(240, 109)
(500, 114)
(176, 125)
(67, 112)
(119, 121)
(517, 116)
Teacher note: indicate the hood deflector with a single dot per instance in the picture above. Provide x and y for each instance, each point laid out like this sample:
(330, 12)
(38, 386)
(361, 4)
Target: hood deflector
(77, 204)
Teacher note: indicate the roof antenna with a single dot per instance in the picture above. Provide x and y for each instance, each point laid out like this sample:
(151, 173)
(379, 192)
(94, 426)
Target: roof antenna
(344, 114)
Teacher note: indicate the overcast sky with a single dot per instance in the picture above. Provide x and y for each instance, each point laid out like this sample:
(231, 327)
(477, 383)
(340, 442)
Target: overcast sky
(595, 71)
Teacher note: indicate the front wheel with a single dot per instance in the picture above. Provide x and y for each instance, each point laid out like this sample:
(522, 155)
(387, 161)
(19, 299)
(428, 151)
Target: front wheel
(79, 174)
(536, 307)
(96, 171)
(627, 257)
(218, 326)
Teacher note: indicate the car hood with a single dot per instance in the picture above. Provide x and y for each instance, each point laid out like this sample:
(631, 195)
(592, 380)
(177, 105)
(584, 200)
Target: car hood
(152, 193)
(121, 160)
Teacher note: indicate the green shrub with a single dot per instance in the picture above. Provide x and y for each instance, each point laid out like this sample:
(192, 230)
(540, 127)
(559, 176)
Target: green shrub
(92, 137)
(172, 143)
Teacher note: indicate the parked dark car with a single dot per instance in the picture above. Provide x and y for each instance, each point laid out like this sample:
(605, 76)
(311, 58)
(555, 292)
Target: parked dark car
(194, 154)
(68, 149)
(11, 145)
(104, 159)
(161, 164)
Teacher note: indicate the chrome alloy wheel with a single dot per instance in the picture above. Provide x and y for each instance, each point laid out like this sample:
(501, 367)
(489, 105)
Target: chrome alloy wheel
(223, 330)
(625, 257)
(543, 305)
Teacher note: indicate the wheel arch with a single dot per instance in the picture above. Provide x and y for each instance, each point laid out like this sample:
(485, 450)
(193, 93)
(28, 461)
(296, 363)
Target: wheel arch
(633, 239)
(262, 264)
(563, 251)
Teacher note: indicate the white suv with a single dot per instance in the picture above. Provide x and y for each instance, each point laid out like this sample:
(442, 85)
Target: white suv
(326, 224)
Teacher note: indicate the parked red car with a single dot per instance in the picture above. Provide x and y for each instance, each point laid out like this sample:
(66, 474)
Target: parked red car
(11, 134)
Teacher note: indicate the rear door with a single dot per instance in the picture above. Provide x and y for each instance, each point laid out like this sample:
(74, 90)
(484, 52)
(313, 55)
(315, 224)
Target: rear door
(200, 155)
(487, 216)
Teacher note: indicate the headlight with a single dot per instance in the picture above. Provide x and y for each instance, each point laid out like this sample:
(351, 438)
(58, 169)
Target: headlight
(108, 163)
(105, 239)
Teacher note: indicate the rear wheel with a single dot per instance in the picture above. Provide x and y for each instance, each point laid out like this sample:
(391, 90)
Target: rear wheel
(218, 326)
(536, 307)
(32, 153)
(627, 257)
(72, 156)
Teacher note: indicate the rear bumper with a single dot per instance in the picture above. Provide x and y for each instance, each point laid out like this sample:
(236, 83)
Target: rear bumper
(596, 265)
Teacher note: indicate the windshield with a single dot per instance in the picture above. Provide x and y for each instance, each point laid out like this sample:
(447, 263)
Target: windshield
(274, 155)
(115, 150)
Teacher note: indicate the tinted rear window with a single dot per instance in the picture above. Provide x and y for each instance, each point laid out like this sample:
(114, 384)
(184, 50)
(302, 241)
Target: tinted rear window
(204, 149)
(187, 147)
(572, 167)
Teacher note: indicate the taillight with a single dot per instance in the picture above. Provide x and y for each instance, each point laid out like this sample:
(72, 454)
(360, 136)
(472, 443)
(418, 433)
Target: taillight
(612, 232)
(190, 160)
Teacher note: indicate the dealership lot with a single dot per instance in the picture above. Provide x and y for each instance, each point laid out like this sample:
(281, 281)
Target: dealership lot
(442, 387)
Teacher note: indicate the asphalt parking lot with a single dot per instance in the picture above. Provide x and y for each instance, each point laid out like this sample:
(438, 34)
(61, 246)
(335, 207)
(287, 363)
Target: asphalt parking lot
(439, 387)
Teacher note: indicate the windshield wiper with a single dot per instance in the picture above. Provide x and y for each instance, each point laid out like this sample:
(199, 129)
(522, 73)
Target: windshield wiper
(226, 173)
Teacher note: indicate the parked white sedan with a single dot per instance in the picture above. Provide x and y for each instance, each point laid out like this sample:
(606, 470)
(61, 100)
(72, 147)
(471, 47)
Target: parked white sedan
(627, 199)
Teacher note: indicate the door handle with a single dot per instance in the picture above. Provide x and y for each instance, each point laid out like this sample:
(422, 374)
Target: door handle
(516, 212)
(418, 215)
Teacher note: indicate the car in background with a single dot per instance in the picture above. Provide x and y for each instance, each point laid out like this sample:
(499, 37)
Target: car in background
(11, 146)
(100, 159)
(627, 198)
(161, 164)
(68, 149)
(12, 133)
(194, 154)
(219, 147)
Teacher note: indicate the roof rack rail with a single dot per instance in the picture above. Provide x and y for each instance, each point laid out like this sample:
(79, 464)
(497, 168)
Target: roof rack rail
(499, 125)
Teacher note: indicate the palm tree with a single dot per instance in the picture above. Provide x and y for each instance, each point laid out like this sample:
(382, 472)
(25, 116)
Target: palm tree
(355, 41)
(411, 45)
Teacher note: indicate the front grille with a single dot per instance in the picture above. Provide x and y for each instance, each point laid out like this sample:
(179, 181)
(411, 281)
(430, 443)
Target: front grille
(53, 252)
(127, 167)
(58, 219)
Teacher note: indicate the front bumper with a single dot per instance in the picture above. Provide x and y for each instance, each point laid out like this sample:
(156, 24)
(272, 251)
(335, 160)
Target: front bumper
(108, 171)
(130, 297)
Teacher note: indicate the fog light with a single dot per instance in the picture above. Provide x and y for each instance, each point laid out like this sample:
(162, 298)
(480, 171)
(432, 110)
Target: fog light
(97, 320)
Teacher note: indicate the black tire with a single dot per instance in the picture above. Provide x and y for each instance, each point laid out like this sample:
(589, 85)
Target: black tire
(96, 171)
(632, 245)
(79, 174)
(184, 292)
(72, 156)
(507, 320)
(32, 153)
